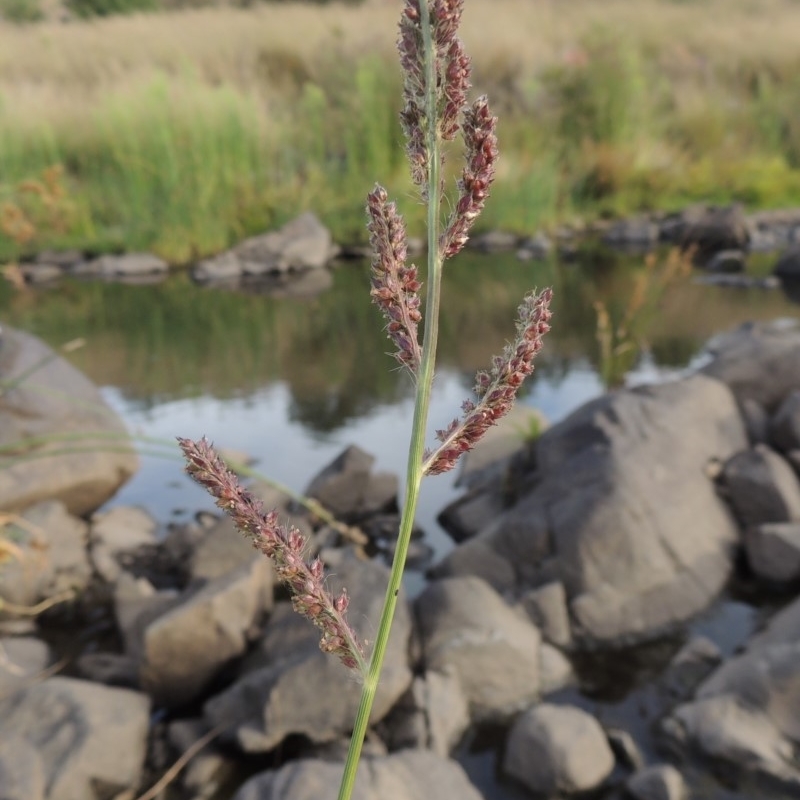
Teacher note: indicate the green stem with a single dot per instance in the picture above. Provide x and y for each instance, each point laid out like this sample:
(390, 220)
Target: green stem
(414, 472)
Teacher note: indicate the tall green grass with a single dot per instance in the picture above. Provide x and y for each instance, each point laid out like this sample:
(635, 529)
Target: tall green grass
(185, 166)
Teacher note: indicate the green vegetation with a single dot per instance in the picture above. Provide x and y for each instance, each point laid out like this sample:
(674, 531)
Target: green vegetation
(215, 127)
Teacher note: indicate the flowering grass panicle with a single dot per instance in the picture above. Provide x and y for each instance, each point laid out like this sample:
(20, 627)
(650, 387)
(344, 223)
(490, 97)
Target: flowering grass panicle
(284, 545)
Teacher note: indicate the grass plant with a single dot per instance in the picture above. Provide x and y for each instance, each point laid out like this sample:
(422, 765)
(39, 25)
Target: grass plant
(181, 132)
(436, 80)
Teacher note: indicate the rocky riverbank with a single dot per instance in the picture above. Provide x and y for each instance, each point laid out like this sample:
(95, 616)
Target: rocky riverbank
(614, 529)
(295, 259)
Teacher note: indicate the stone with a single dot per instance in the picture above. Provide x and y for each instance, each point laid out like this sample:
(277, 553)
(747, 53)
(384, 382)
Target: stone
(494, 241)
(747, 712)
(773, 551)
(538, 247)
(64, 259)
(555, 670)
(758, 360)
(787, 267)
(186, 647)
(224, 268)
(637, 231)
(302, 243)
(756, 421)
(784, 427)
(623, 513)
(727, 261)
(762, 487)
(91, 739)
(658, 782)
(126, 266)
(467, 629)
(690, 666)
(445, 709)
(22, 772)
(625, 748)
(52, 398)
(471, 513)
(22, 658)
(116, 535)
(272, 697)
(206, 774)
(557, 749)
(407, 775)
(38, 274)
(112, 669)
(349, 491)
(547, 607)
(51, 555)
(717, 229)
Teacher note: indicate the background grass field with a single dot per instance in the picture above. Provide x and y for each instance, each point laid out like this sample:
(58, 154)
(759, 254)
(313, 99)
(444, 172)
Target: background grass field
(181, 131)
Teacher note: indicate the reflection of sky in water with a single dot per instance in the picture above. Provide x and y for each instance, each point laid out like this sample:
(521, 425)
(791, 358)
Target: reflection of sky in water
(261, 425)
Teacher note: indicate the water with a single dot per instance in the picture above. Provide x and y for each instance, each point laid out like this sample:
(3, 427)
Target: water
(293, 382)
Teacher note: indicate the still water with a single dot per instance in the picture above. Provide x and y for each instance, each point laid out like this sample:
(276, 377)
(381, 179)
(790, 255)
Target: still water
(293, 381)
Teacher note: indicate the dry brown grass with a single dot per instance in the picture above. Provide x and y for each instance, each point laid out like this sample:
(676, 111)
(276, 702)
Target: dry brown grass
(50, 68)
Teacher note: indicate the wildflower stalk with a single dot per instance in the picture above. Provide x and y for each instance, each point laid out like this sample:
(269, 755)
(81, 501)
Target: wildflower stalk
(414, 471)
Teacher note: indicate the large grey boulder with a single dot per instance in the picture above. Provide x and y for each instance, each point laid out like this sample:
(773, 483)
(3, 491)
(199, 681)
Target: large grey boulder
(773, 551)
(558, 749)
(50, 555)
(659, 782)
(287, 685)
(43, 396)
(91, 739)
(22, 772)
(747, 712)
(467, 629)
(758, 360)
(407, 775)
(183, 649)
(625, 514)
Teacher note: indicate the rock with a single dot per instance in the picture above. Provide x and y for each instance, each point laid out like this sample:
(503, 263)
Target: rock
(784, 428)
(51, 556)
(347, 489)
(128, 265)
(22, 772)
(773, 550)
(306, 284)
(467, 629)
(623, 515)
(538, 247)
(63, 259)
(116, 536)
(547, 607)
(407, 775)
(760, 361)
(762, 487)
(207, 772)
(718, 229)
(53, 398)
(756, 420)
(554, 749)
(787, 266)
(747, 712)
(274, 696)
(625, 748)
(727, 261)
(112, 669)
(303, 243)
(659, 782)
(445, 710)
(136, 604)
(690, 666)
(490, 458)
(183, 649)
(673, 227)
(737, 281)
(494, 241)
(636, 231)
(224, 268)
(471, 513)
(22, 658)
(91, 739)
(555, 671)
(38, 274)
